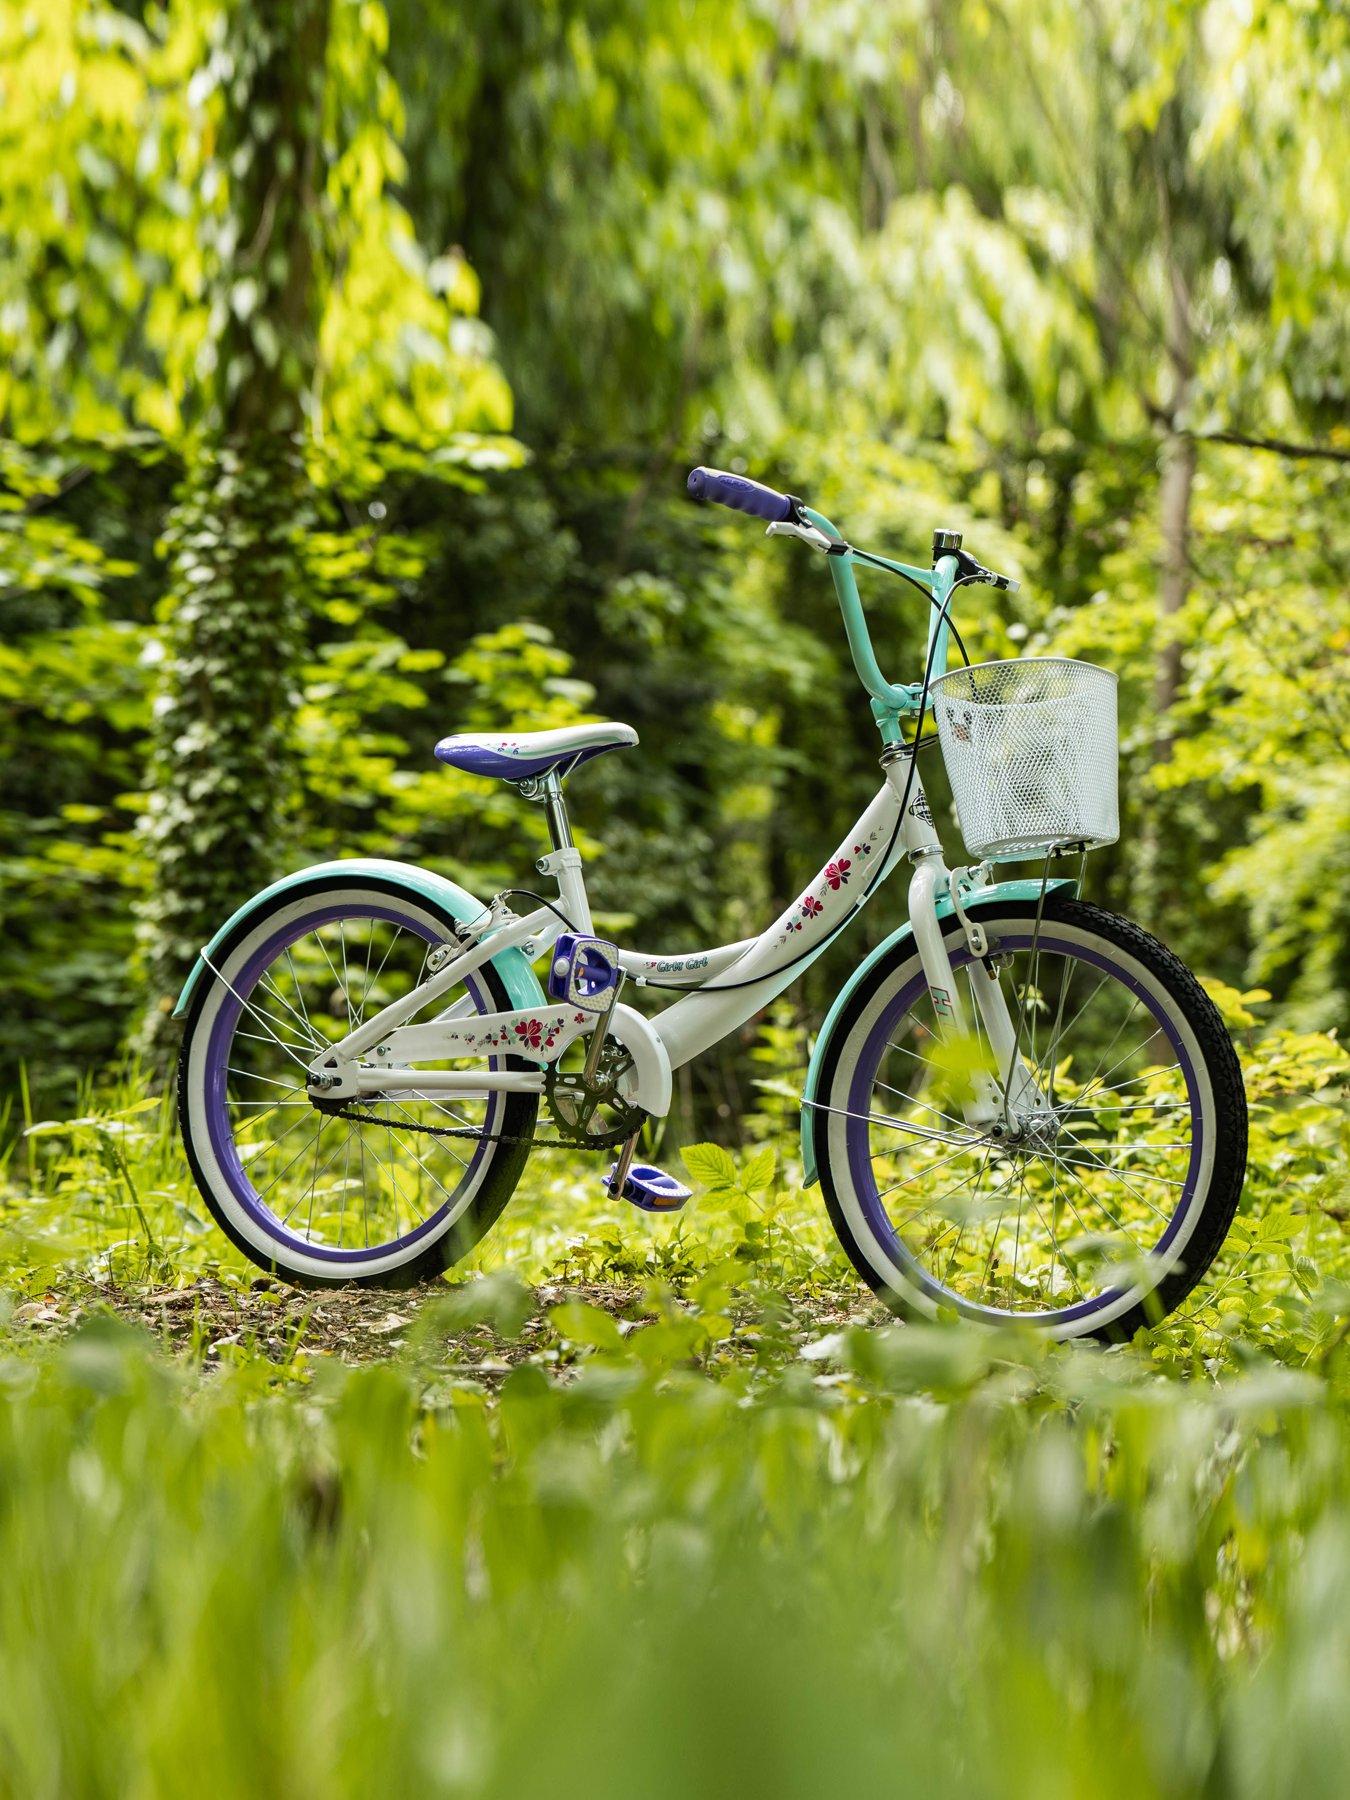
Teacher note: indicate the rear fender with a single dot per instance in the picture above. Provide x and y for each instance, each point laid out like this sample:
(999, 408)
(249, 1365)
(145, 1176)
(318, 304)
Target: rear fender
(986, 899)
(519, 978)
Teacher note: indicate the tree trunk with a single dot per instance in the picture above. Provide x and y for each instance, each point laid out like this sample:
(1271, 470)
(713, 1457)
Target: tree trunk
(1174, 495)
(1174, 506)
(222, 779)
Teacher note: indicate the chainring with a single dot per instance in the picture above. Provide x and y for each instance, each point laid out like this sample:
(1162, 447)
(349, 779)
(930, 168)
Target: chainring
(576, 1106)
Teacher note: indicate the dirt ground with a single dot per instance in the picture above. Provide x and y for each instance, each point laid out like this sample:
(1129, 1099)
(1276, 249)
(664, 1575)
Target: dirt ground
(207, 1320)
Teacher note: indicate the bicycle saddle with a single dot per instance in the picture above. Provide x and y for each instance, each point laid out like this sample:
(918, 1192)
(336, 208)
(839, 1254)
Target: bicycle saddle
(526, 754)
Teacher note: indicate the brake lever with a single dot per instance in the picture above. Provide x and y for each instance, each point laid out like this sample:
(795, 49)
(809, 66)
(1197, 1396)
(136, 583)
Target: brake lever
(807, 533)
(976, 573)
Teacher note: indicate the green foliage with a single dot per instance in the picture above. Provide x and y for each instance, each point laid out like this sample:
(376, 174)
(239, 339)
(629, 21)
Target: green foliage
(822, 243)
(218, 785)
(974, 1554)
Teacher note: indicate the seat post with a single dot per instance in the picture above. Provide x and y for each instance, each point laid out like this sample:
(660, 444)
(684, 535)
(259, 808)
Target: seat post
(555, 810)
(563, 861)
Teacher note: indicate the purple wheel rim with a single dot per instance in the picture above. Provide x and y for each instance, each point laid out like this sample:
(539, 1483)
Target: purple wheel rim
(221, 1134)
(864, 1178)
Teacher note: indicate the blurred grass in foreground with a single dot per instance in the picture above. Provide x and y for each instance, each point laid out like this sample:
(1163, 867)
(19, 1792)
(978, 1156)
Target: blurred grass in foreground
(946, 1564)
(705, 1538)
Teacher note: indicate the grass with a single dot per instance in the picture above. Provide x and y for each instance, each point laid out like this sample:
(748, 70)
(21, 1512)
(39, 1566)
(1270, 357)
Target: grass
(662, 1507)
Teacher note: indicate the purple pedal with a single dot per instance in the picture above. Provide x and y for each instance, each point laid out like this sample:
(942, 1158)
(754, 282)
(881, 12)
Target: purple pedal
(583, 972)
(651, 1190)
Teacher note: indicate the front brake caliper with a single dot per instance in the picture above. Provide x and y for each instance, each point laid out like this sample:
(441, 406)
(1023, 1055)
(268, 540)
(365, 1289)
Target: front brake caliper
(976, 939)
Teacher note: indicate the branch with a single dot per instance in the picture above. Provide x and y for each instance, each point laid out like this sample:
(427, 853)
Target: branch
(1276, 446)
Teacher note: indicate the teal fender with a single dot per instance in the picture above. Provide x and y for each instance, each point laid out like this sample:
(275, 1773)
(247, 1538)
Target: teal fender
(978, 900)
(521, 982)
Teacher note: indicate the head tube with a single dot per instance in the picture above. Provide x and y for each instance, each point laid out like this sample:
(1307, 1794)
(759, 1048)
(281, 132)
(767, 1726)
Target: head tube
(939, 616)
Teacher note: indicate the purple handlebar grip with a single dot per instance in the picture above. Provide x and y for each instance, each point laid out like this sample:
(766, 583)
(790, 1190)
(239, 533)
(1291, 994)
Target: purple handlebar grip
(739, 492)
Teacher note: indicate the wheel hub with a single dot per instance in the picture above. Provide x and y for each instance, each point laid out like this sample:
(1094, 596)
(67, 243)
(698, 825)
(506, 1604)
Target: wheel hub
(1035, 1130)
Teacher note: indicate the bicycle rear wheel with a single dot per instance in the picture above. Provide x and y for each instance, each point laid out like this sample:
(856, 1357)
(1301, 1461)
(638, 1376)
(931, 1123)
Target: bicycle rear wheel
(389, 1190)
(1103, 1212)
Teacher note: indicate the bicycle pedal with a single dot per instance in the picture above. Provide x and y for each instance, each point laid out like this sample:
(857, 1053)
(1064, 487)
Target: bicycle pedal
(649, 1189)
(584, 972)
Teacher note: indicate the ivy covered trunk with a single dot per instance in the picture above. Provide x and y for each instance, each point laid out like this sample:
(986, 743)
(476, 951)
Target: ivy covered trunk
(222, 774)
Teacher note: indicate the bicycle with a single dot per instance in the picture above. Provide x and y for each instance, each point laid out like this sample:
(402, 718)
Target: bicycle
(1020, 1106)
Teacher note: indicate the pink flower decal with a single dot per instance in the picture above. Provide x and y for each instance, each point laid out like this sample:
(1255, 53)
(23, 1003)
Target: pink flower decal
(811, 907)
(531, 1033)
(836, 873)
(862, 849)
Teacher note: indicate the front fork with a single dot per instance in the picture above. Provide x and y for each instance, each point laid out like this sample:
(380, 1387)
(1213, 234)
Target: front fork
(991, 1102)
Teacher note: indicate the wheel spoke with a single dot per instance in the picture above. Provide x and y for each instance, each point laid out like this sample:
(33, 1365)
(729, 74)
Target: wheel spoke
(346, 977)
(927, 1169)
(300, 996)
(927, 1105)
(1094, 1086)
(447, 1143)
(956, 1247)
(1158, 1106)
(276, 1142)
(338, 981)
(272, 1038)
(290, 1087)
(1096, 1074)
(1130, 1081)
(429, 1173)
(398, 933)
(1073, 1169)
(304, 1025)
(1095, 1162)
(1067, 971)
(1116, 1223)
(1081, 1010)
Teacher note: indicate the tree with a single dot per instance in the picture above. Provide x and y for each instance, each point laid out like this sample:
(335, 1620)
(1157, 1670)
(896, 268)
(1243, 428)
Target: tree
(222, 774)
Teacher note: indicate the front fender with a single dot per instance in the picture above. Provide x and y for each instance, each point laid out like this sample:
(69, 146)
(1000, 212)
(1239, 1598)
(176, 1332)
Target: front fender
(520, 980)
(979, 900)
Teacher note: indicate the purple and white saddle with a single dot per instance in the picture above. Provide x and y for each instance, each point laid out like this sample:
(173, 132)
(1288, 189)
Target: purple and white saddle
(523, 755)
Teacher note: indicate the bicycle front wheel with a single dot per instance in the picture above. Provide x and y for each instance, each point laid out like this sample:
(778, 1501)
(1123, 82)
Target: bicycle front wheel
(1105, 1205)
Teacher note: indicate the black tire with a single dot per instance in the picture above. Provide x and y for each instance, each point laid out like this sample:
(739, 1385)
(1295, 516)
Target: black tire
(507, 1160)
(1223, 1189)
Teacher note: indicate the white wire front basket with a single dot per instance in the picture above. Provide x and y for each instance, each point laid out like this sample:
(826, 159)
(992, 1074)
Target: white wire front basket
(1032, 753)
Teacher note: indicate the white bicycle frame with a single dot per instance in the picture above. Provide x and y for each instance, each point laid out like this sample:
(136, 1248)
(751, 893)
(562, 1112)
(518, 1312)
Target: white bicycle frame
(729, 983)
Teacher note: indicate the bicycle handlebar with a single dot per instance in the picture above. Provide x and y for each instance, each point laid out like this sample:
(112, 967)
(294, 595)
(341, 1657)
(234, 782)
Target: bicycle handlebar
(788, 514)
(742, 494)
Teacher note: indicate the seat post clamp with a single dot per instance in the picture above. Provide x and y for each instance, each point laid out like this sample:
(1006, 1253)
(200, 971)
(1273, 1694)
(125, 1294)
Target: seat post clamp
(569, 857)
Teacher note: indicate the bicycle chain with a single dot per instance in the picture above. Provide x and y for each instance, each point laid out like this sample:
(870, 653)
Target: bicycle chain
(600, 1140)
(631, 1119)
